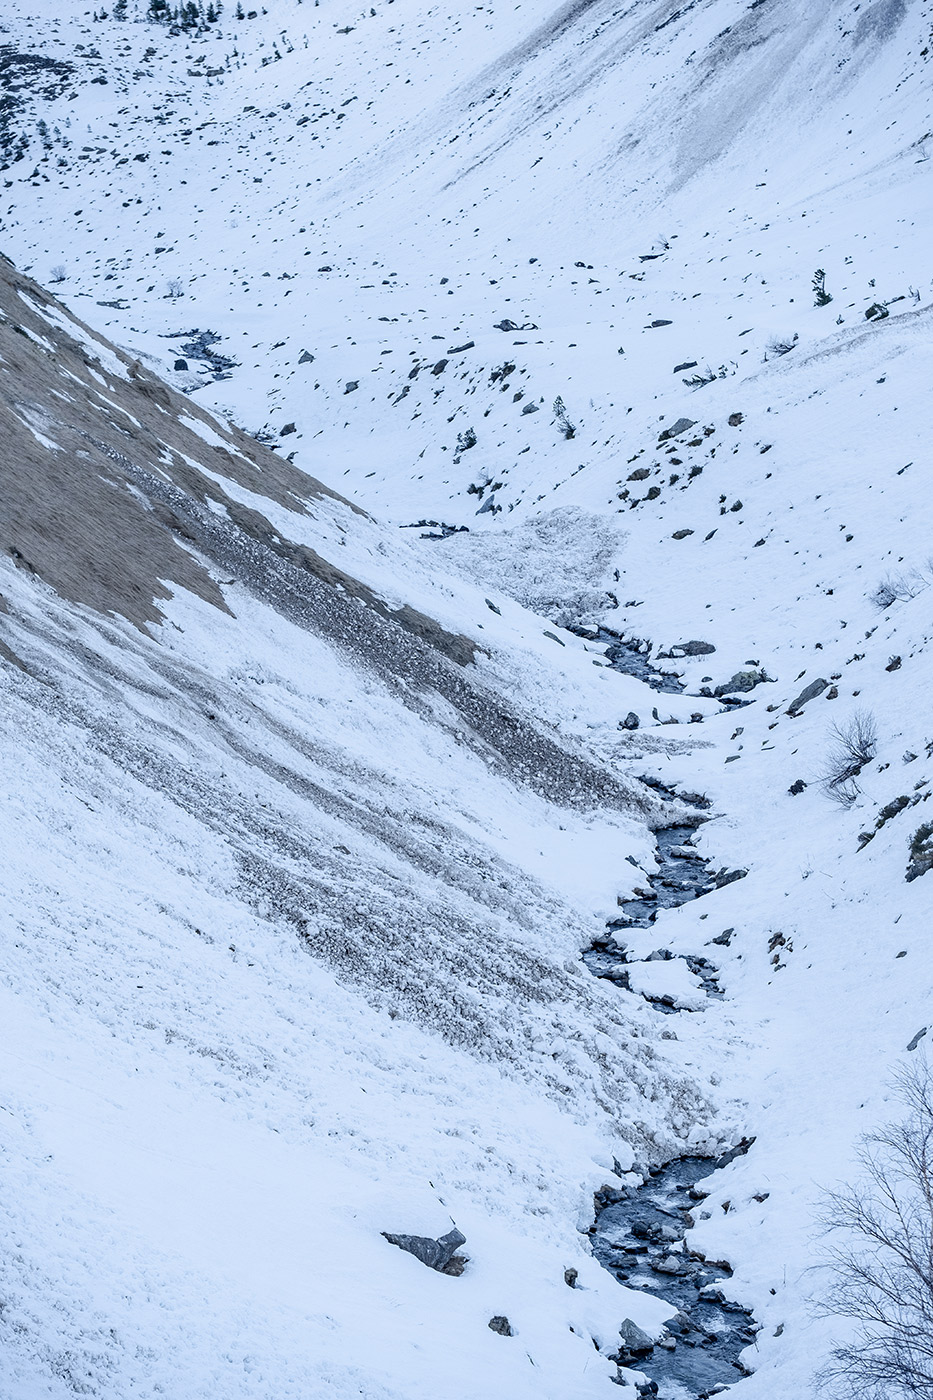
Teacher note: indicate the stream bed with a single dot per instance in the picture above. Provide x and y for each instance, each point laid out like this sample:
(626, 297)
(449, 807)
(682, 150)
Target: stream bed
(640, 1232)
(639, 1237)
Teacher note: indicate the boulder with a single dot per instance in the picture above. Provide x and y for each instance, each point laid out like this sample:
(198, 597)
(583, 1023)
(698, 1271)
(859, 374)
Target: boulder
(437, 1254)
(501, 1325)
(809, 692)
(742, 682)
(634, 1339)
(677, 428)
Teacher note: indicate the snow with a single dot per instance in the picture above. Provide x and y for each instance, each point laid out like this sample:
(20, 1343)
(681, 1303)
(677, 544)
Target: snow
(208, 1121)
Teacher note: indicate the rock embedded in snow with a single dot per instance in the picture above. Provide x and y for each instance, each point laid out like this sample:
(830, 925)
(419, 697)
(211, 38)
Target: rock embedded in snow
(437, 1254)
(676, 429)
(501, 1325)
(808, 693)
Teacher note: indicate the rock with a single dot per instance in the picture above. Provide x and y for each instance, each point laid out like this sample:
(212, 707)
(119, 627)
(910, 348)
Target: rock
(681, 534)
(670, 1264)
(735, 419)
(570, 1277)
(894, 664)
(501, 1325)
(797, 788)
(677, 428)
(505, 325)
(305, 358)
(181, 364)
(350, 385)
(742, 682)
(289, 428)
(635, 1339)
(660, 322)
(459, 349)
(728, 877)
(530, 408)
(437, 1254)
(631, 721)
(687, 364)
(724, 938)
(810, 692)
(439, 367)
(492, 607)
(696, 648)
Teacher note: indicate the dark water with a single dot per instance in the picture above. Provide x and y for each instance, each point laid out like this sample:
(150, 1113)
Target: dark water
(639, 1230)
(680, 877)
(631, 656)
(639, 1234)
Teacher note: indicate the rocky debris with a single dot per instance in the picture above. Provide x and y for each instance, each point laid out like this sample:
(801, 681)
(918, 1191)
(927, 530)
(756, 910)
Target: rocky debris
(808, 693)
(797, 788)
(631, 721)
(570, 1277)
(438, 1254)
(501, 1325)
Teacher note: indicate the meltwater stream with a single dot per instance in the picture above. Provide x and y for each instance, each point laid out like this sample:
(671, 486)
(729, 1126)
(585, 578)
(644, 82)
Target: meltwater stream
(639, 1233)
(638, 1237)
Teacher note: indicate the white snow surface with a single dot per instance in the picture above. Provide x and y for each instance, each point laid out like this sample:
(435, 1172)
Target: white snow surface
(210, 1108)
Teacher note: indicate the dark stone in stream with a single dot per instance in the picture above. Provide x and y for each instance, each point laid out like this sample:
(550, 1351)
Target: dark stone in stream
(631, 721)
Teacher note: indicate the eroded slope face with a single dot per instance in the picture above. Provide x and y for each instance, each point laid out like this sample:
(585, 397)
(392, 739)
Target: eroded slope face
(293, 879)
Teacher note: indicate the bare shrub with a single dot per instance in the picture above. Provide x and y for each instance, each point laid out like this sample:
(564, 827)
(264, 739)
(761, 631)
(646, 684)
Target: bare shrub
(174, 288)
(855, 743)
(779, 345)
(880, 1257)
(898, 588)
(59, 273)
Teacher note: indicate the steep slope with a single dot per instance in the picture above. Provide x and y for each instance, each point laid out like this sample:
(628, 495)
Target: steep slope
(275, 842)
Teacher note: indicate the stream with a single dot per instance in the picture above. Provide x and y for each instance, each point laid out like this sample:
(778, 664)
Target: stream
(639, 1237)
(639, 1232)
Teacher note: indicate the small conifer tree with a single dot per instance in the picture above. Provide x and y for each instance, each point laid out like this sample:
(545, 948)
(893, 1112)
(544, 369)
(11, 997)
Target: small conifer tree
(822, 296)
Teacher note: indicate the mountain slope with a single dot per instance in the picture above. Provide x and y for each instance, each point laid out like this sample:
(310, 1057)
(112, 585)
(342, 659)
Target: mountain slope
(552, 278)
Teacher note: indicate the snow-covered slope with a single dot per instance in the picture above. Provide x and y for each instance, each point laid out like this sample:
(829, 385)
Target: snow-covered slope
(308, 808)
